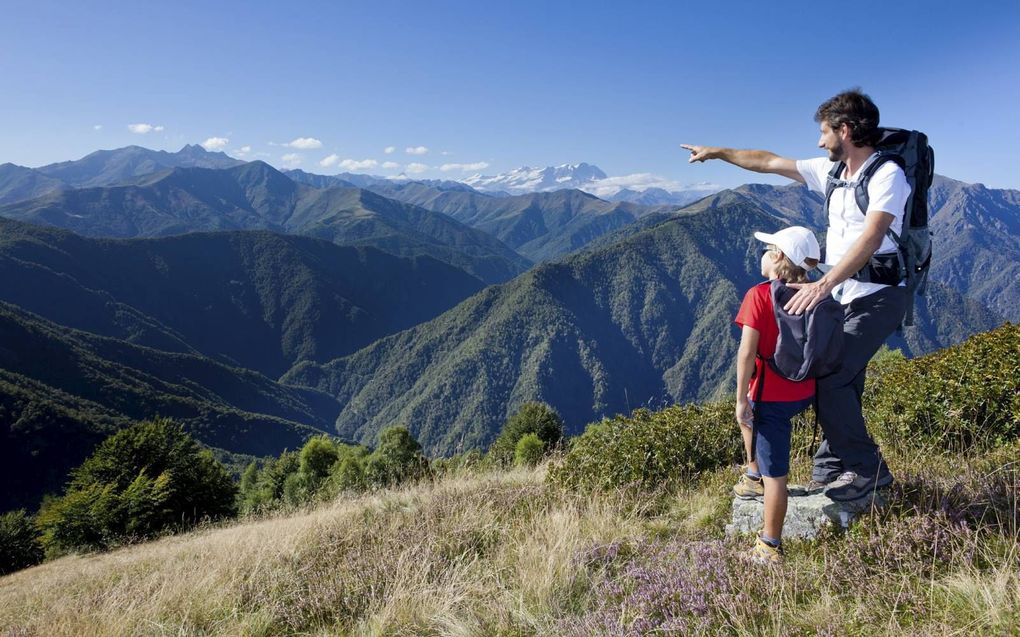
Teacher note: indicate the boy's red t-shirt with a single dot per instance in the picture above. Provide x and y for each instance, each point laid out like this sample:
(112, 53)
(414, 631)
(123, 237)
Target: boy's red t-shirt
(756, 311)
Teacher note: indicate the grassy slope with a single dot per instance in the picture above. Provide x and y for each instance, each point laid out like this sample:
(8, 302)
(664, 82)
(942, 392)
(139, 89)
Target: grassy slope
(504, 554)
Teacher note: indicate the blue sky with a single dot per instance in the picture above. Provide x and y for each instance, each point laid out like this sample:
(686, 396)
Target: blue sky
(620, 85)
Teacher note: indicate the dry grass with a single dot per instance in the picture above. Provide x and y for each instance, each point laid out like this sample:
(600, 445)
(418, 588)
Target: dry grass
(469, 555)
(505, 554)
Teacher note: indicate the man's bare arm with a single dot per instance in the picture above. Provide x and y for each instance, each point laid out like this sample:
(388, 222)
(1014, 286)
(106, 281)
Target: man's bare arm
(759, 161)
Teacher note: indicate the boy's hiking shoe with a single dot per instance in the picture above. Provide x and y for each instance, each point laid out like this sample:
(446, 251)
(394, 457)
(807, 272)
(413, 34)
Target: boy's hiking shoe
(747, 488)
(851, 486)
(764, 553)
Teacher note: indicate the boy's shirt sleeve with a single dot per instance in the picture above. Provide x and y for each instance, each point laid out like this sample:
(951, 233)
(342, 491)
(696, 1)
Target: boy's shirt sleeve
(752, 309)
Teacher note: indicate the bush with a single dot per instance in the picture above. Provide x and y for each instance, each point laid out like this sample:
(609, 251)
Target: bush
(317, 457)
(651, 449)
(140, 482)
(529, 451)
(532, 418)
(19, 542)
(348, 474)
(397, 458)
(962, 396)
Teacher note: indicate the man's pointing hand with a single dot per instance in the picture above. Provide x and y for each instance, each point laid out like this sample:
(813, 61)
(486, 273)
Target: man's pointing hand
(698, 153)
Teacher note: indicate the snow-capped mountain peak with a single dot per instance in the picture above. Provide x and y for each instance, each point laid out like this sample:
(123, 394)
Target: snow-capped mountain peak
(528, 179)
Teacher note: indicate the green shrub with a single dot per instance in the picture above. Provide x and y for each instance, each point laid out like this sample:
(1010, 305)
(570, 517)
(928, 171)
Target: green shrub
(532, 418)
(397, 458)
(316, 458)
(140, 482)
(529, 451)
(19, 542)
(651, 449)
(962, 396)
(348, 474)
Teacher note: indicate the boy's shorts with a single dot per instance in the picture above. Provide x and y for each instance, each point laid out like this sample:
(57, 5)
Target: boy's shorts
(772, 426)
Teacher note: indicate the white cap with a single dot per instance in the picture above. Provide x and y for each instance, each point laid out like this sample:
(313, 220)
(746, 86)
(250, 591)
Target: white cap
(796, 242)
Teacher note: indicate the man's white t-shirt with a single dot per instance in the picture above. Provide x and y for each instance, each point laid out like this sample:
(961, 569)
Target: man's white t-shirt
(888, 191)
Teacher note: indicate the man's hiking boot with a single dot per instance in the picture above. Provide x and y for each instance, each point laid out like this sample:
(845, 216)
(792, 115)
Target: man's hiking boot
(813, 486)
(764, 553)
(747, 488)
(851, 486)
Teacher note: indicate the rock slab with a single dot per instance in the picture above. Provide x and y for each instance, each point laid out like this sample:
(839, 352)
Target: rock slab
(806, 515)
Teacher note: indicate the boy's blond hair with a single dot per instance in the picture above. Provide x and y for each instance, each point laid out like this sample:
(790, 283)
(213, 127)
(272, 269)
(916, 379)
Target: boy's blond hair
(792, 273)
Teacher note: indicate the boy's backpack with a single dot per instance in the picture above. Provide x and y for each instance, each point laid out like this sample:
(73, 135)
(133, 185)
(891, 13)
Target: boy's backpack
(810, 345)
(910, 150)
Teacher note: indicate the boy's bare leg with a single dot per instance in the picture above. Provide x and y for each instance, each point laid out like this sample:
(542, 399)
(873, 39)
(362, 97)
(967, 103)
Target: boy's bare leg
(775, 506)
(746, 433)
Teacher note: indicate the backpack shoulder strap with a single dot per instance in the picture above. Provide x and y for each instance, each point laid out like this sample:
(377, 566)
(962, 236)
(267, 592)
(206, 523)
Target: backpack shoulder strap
(861, 189)
(832, 182)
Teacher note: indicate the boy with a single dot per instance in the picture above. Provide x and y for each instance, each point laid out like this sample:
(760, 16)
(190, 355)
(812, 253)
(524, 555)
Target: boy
(789, 255)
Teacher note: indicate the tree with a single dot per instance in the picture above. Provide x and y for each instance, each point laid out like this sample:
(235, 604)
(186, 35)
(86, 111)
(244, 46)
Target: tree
(141, 481)
(19, 542)
(532, 418)
(317, 457)
(397, 458)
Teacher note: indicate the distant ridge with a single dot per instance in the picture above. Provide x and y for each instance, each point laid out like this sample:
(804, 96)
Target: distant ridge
(102, 168)
(255, 195)
(253, 299)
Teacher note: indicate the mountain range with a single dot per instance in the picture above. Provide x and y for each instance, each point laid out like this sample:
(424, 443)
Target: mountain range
(102, 168)
(256, 300)
(257, 196)
(367, 299)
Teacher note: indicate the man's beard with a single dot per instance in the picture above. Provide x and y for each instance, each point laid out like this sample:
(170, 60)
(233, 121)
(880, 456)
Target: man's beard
(837, 154)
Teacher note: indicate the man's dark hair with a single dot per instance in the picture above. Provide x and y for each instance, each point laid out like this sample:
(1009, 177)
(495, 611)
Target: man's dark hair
(854, 109)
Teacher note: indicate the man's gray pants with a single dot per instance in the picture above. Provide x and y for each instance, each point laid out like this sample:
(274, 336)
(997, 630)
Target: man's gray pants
(846, 444)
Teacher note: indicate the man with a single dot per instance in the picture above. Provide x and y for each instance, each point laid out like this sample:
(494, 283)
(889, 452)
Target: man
(848, 464)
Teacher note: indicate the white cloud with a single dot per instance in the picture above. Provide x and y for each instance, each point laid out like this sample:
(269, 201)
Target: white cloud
(142, 129)
(97, 127)
(389, 150)
(355, 164)
(416, 150)
(390, 165)
(305, 143)
(242, 152)
(641, 182)
(329, 161)
(292, 160)
(478, 165)
(215, 143)
(415, 168)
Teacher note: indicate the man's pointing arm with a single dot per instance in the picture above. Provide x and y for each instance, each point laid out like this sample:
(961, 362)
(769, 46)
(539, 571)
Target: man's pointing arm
(759, 161)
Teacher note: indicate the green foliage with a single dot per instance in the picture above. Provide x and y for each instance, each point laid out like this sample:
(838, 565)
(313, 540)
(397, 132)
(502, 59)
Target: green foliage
(397, 458)
(651, 449)
(532, 418)
(317, 457)
(140, 482)
(348, 474)
(959, 397)
(19, 542)
(529, 451)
